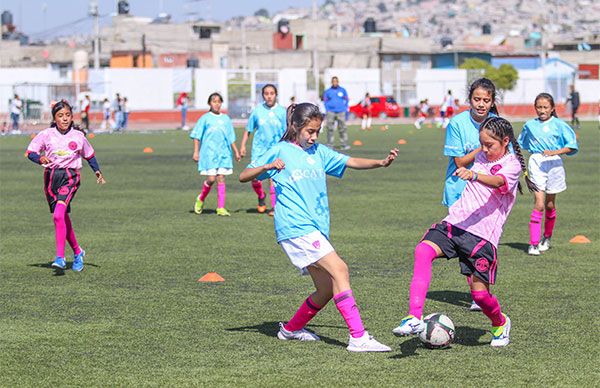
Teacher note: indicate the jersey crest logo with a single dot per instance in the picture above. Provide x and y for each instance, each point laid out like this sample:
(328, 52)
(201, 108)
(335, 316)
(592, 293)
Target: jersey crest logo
(482, 265)
(316, 244)
(72, 145)
(495, 168)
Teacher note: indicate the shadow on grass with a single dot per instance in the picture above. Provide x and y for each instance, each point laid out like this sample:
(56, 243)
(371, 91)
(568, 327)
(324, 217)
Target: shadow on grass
(58, 271)
(469, 336)
(464, 335)
(270, 329)
(457, 298)
(519, 246)
(204, 211)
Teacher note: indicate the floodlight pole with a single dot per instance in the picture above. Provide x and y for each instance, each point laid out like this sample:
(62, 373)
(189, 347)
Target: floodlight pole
(314, 51)
(94, 13)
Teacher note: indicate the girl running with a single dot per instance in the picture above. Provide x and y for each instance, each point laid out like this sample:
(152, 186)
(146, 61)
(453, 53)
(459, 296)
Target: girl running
(423, 113)
(268, 120)
(59, 149)
(462, 140)
(298, 166)
(546, 138)
(472, 229)
(214, 131)
(367, 116)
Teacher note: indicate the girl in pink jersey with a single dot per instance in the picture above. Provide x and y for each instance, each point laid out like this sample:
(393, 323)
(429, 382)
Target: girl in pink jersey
(59, 149)
(472, 229)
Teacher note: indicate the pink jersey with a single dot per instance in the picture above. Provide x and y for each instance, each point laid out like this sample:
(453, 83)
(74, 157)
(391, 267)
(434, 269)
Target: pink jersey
(482, 210)
(64, 151)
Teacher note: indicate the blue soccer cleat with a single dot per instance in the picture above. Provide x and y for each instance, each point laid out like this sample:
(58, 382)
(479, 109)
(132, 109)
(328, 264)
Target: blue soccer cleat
(78, 262)
(59, 263)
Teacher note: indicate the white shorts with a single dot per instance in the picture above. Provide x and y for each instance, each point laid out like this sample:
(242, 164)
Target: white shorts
(306, 250)
(548, 173)
(217, 171)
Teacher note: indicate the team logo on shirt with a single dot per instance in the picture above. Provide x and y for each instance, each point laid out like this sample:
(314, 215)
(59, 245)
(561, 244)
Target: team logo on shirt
(72, 145)
(310, 160)
(482, 265)
(546, 128)
(271, 114)
(495, 168)
(340, 94)
(64, 190)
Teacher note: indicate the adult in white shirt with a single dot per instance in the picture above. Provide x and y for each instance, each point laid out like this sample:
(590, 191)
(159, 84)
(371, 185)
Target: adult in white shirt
(16, 107)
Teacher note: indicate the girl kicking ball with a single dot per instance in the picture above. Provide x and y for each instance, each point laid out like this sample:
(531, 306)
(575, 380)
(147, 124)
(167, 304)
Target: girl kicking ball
(298, 166)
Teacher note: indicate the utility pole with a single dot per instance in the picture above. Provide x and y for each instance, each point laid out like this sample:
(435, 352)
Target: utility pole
(94, 13)
(143, 50)
(314, 51)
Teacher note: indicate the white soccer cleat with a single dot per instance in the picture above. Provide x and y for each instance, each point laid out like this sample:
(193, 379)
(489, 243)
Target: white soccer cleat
(299, 335)
(533, 250)
(544, 244)
(501, 334)
(474, 306)
(409, 325)
(366, 343)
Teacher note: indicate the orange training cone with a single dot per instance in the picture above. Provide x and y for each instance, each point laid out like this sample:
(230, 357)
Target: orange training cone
(91, 136)
(148, 150)
(401, 141)
(211, 277)
(357, 143)
(580, 239)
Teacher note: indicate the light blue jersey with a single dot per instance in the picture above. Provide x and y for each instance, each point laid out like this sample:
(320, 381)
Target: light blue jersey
(553, 134)
(302, 202)
(269, 125)
(462, 137)
(216, 135)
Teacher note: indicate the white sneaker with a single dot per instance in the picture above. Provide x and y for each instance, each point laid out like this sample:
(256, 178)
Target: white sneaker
(409, 325)
(544, 244)
(533, 250)
(474, 306)
(501, 334)
(300, 335)
(366, 343)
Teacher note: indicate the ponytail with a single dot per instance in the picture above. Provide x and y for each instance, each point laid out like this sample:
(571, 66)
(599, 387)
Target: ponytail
(501, 128)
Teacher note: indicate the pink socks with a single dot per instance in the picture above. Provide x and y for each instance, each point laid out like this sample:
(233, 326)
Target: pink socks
(424, 256)
(345, 303)
(205, 190)
(71, 235)
(535, 227)
(273, 196)
(221, 194)
(489, 306)
(258, 189)
(549, 224)
(305, 313)
(60, 228)
(64, 230)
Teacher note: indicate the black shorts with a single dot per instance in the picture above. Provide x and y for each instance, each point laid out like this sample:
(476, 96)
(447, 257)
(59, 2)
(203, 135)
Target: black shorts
(476, 255)
(60, 184)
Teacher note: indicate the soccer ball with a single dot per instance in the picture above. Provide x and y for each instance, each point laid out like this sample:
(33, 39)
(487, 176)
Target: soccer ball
(439, 331)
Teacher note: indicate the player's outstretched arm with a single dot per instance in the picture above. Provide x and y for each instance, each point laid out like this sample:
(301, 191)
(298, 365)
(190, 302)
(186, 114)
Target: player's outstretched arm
(253, 172)
(366, 164)
(494, 181)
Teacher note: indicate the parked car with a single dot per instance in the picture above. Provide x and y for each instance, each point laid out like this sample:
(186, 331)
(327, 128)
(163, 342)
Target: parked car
(381, 106)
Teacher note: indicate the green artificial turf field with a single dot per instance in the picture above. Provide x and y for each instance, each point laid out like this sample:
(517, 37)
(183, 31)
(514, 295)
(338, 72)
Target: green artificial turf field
(137, 315)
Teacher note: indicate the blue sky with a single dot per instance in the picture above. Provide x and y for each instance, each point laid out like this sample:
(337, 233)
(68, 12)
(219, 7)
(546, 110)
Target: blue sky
(30, 17)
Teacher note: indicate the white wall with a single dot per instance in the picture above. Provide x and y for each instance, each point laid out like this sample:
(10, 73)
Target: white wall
(292, 82)
(589, 90)
(357, 82)
(434, 84)
(32, 75)
(209, 81)
(530, 84)
(145, 89)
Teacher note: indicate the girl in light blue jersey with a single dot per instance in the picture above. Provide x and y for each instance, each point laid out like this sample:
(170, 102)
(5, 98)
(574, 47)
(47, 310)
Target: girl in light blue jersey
(298, 166)
(214, 131)
(462, 140)
(546, 138)
(267, 121)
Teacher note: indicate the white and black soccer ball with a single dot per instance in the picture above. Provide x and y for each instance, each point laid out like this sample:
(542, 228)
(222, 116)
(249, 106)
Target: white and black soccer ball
(439, 331)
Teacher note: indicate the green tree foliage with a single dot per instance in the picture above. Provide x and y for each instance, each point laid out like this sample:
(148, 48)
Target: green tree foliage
(262, 12)
(504, 77)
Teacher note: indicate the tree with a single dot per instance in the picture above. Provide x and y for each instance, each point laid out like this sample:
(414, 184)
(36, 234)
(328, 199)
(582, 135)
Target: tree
(262, 12)
(504, 77)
